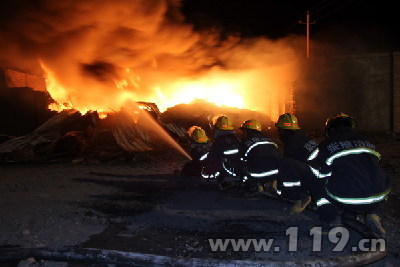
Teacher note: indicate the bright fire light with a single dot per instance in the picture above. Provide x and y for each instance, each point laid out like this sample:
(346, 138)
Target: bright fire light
(222, 92)
(217, 89)
(258, 90)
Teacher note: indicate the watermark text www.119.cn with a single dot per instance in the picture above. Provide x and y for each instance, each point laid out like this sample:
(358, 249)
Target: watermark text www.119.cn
(339, 236)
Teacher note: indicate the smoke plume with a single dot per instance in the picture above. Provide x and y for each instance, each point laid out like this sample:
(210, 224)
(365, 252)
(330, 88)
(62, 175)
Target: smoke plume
(100, 50)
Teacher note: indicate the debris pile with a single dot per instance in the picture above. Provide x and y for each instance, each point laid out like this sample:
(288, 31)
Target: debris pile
(202, 113)
(71, 134)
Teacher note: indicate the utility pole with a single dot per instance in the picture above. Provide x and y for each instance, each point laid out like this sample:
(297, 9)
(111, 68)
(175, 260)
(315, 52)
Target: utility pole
(308, 33)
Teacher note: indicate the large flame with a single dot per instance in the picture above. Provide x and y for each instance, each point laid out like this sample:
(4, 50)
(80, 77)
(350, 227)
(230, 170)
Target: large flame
(101, 55)
(217, 89)
(263, 90)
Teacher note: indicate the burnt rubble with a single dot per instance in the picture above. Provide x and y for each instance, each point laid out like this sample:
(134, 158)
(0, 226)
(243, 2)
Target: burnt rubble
(69, 134)
(202, 113)
(123, 134)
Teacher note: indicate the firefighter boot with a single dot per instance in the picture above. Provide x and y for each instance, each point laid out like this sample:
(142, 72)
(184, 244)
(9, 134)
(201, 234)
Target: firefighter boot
(274, 185)
(373, 222)
(300, 205)
(254, 190)
(227, 185)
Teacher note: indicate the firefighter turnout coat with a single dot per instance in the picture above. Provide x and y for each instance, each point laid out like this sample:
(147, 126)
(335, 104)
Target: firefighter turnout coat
(350, 170)
(298, 146)
(222, 158)
(293, 179)
(199, 153)
(259, 156)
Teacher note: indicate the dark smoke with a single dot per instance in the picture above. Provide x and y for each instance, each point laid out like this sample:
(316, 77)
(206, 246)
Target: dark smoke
(90, 44)
(102, 71)
(120, 32)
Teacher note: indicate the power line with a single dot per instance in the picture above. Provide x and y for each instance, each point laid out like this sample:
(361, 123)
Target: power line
(320, 11)
(348, 2)
(321, 6)
(314, 9)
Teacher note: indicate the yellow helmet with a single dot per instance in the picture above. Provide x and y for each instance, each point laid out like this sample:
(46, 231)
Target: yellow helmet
(341, 119)
(251, 124)
(198, 135)
(224, 123)
(287, 121)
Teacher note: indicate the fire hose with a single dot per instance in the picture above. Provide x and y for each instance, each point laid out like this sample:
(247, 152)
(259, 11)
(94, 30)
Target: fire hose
(100, 256)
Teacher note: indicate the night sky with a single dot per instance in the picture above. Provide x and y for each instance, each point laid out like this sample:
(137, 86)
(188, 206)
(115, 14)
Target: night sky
(372, 23)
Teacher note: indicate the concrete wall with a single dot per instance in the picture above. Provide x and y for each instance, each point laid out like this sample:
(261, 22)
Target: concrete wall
(23, 102)
(367, 87)
(371, 78)
(396, 92)
(13, 78)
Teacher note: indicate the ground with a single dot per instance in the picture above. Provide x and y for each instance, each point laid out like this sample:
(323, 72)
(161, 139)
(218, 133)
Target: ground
(145, 208)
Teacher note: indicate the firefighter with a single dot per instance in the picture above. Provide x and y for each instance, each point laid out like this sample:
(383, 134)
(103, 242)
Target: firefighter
(297, 149)
(295, 143)
(200, 146)
(259, 157)
(222, 160)
(347, 167)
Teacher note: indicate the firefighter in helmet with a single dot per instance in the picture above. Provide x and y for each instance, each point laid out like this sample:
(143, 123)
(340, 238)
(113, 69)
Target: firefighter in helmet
(296, 144)
(347, 167)
(259, 157)
(200, 146)
(222, 160)
(297, 149)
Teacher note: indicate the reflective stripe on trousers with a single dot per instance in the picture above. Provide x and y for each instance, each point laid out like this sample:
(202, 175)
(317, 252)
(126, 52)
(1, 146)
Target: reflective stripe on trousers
(264, 174)
(361, 200)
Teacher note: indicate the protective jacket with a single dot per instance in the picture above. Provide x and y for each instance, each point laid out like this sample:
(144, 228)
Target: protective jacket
(350, 168)
(200, 151)
(259, 156)
(298, 146)
(293, 169)
(222, 158)
(199, 154)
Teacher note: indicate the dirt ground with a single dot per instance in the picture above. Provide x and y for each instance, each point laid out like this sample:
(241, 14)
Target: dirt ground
(144, 207)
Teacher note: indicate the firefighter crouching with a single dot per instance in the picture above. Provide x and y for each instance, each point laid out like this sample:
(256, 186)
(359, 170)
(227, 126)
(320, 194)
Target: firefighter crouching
(259, 157)
(347, 167)
(200, 146)
(295, 143)
(297, 148)
(222, 160)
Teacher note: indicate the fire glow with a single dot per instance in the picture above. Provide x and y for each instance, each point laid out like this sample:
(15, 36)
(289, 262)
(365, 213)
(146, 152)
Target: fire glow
(234, 89)
(220, 89)
(113, 54)
(216, 89)
(104, 56)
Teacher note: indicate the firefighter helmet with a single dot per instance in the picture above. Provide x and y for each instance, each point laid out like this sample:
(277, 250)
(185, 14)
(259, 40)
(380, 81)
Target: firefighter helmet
(197, 134)
(287, 121)
(223, 123)
(251, 124)
(339, 120)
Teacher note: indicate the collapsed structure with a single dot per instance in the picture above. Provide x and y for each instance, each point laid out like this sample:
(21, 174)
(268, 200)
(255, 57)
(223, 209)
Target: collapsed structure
(136, 128)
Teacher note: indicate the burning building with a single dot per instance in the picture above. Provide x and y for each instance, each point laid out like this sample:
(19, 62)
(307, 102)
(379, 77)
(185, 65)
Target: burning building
(100, 56)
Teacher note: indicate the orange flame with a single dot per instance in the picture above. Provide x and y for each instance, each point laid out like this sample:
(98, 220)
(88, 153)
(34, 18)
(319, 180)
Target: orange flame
(263, 90)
